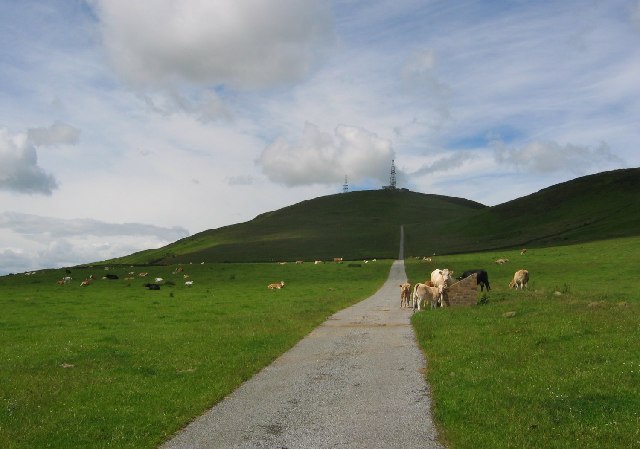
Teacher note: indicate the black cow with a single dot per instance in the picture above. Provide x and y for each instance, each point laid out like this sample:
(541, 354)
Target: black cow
(152, 286)
(111, 276)
(483, 278)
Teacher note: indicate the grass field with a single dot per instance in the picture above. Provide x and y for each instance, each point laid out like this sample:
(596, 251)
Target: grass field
(536, 368)
(116, 365)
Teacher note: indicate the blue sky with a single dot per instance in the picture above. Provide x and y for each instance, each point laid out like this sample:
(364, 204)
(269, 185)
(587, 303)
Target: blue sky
(128, 125)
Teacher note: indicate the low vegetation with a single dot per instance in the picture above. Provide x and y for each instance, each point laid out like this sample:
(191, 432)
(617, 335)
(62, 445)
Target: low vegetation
(116, 365)
(554, 366)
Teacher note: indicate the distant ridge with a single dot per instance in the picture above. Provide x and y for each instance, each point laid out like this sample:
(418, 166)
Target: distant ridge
(366, 224)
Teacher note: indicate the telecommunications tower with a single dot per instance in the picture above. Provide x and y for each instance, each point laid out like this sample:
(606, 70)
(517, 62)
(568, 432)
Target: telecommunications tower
(392, 177)
(345, 186)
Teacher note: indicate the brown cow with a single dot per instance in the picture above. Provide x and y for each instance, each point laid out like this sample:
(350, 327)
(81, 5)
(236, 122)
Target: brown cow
(520, 279)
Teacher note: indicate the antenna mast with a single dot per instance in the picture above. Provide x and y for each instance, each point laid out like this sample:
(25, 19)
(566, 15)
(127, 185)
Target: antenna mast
(392, 177)
(345, 186)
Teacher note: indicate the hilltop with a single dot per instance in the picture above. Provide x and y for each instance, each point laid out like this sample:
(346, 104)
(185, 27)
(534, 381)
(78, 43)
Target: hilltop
(366, 224)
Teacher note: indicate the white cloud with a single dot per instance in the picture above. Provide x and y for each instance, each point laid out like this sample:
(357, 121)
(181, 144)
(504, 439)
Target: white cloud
(19, 169)
(321, 158)
(48, 242)
(250, 43)
(548, 156)
(57, 134)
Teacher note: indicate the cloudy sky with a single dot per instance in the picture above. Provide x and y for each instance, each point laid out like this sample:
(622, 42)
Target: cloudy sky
(128, 125)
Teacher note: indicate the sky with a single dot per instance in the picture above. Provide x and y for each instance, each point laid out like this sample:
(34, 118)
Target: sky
(129, 125)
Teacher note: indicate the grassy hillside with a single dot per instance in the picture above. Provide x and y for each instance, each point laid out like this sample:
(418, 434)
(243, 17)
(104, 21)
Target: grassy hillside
(354, 225)
(367, 224)
(595, 207)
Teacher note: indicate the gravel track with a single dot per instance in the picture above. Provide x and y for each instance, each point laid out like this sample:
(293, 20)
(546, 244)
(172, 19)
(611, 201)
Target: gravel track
(356, 381)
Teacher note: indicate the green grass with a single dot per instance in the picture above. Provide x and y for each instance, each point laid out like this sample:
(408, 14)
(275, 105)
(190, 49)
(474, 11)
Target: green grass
(116, 365)
(534, 369)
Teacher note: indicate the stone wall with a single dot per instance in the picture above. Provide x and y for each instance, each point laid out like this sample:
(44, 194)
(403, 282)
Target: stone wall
(463, 293)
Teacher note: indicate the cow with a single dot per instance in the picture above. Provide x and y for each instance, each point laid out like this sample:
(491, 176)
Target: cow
(502, 261)
(423, 293)
(405, 294)
(520, 279)
(337, 259)
(442, 277)
(152, 286)
(110, 276)
(188, 283)
(523, 252)
(482, 279)
(86, 282)
(276, 286)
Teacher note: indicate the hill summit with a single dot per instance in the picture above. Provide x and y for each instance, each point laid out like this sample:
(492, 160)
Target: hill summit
(366, 224)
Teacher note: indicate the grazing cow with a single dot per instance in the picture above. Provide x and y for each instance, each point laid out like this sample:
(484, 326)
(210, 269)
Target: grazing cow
(482, 279)
(110, 276)
(158, 280)
(337, 259)
(188, 282)
(299, 262)
(520, 279)
(143, 274)
(523, 252)
(442, 277)
(276, 286)
(405, 294)
(152, 286)
(502, 261)
(317, 262)
(86, 282)
(423, 293)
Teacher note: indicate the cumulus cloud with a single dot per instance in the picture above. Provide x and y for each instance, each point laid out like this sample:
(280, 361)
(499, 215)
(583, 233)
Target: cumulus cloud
(19, 169)
(321, 158)
(246, 44)
(550, 156)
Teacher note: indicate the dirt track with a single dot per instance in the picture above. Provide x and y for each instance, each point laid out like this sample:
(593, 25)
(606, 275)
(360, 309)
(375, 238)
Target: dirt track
(354, 382)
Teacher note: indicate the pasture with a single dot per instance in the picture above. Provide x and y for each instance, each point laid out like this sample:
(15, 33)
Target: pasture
(116, 365)
(554, 366)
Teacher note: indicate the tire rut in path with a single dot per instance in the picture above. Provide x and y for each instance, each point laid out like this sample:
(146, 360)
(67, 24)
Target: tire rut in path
(354, 382)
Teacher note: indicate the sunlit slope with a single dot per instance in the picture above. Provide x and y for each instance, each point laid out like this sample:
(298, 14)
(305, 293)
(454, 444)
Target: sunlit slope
(353, 225)
(595, 207)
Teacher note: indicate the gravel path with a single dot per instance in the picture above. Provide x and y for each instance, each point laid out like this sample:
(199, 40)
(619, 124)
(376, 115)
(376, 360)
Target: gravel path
(354, 382)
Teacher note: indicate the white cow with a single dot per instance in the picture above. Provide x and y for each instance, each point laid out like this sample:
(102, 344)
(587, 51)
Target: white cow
(442, 277)
(423, 293)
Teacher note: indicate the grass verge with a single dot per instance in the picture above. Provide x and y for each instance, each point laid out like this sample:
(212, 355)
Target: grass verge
(557, 366)
(116, 365)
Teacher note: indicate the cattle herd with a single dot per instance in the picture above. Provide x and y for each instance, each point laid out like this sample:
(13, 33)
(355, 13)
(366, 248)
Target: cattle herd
(155, 285)
(433, 292)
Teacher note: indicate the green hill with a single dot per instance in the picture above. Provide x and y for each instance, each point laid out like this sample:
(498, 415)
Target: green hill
(366, 224)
